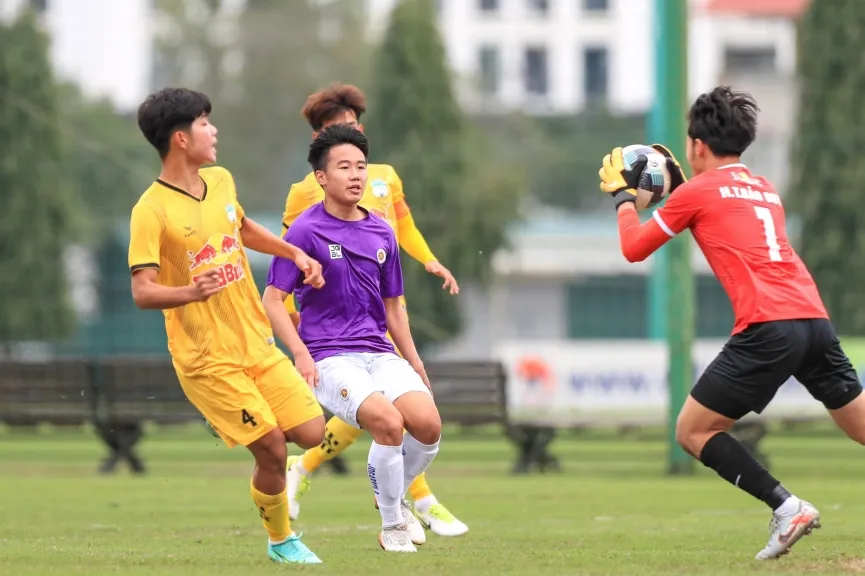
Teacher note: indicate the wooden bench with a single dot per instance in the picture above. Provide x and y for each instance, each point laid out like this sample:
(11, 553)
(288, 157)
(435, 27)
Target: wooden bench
(55, 393)
(119, 395)
(469, 393)
(133, 391)
(474, 394)
(130, 392)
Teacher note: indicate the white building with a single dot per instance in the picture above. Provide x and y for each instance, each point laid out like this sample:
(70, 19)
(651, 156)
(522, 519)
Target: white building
(557, 56)
(541, 56)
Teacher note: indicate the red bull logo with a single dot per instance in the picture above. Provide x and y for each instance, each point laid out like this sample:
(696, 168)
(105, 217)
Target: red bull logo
(202, 257)
(208, 252)
(229, 244)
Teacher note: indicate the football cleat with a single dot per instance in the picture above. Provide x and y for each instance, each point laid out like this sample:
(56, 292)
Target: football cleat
(441, 522)
(415, 530)
(784, 531)
(296, 485)
(396, 539)
(291, 551)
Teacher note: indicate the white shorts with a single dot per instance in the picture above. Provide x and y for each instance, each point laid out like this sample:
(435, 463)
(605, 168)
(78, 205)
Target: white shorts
(346, 380)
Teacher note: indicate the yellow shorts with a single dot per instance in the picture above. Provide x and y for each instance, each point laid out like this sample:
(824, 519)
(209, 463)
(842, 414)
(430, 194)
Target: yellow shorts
(244, 405)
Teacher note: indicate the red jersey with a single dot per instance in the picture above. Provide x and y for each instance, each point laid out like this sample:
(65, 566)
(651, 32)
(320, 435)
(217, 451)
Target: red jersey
(738, 222)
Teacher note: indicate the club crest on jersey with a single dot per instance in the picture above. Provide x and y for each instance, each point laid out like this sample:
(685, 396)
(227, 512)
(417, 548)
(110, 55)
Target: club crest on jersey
(744, 177)
(335, 251)
(381, 255)
(380, 188)
(231, 212)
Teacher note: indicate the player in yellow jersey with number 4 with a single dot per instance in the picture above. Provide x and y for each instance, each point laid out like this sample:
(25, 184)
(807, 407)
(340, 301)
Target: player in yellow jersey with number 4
(384, 197)
(187, 257)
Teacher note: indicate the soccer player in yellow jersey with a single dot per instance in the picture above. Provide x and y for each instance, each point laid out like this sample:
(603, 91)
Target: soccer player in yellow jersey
(188, 236)
(383, 196)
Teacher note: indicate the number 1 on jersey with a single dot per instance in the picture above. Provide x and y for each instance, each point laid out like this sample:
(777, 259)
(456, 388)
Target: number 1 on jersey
(765, 215)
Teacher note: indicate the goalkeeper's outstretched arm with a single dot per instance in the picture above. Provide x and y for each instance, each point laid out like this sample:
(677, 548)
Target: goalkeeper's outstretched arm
(638, 241)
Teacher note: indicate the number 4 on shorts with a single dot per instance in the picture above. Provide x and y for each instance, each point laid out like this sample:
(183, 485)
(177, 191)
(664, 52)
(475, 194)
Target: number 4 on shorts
(248, 419)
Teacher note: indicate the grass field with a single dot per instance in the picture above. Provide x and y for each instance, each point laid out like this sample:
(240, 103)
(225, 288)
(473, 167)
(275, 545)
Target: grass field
(611, 511)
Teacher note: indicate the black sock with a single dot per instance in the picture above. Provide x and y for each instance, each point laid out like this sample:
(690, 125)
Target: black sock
(732, 461)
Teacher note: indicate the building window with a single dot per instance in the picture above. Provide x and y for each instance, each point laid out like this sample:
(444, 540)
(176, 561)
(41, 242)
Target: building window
(595, 75)
(39, 5)
(536, 73)
(541, 7)
(601, 307)
(488, 66)
(749, 60)
(596, 5)
(488, 5)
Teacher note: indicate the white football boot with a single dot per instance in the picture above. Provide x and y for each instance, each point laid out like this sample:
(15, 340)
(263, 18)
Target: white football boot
(440, 521)
(415, 530)
(296, 484)
(784, 531)
(396, 539)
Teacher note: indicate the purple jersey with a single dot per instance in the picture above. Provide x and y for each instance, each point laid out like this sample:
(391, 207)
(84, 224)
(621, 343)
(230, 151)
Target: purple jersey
(360, 263)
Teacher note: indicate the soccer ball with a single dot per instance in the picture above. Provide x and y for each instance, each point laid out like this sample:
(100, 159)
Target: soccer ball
(654, 183)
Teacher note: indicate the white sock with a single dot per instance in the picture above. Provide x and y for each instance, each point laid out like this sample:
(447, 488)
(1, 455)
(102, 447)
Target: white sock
(416, 457)
(385, 470)
(425, 503)
(283, 541)
(789, 507)
(298, 465)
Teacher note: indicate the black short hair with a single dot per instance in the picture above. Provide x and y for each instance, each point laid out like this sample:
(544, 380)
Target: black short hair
(164, 112)
(726, 121)
(331, 137)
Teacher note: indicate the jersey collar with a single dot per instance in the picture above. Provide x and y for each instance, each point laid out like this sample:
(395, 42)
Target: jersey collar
(184, 192)
(736, 165)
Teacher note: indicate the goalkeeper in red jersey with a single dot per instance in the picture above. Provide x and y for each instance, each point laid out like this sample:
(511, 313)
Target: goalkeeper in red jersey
(781, 327)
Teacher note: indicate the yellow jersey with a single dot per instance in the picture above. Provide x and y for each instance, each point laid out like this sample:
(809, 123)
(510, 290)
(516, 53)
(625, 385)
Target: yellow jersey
(383, 196)
(182, 237)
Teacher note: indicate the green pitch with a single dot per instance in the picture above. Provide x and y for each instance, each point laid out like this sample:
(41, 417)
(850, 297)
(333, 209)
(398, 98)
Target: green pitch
(610, 512)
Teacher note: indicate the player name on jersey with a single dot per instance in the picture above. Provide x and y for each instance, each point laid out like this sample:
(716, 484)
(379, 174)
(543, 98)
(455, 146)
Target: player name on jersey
(749, 193)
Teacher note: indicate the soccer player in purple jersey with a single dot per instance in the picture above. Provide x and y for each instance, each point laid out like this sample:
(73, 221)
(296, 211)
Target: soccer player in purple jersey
(341, 346)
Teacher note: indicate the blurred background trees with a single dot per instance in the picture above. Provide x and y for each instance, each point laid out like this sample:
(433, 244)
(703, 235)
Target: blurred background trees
(39, 204)
(827, 176)
(467, 176)
(462, 195)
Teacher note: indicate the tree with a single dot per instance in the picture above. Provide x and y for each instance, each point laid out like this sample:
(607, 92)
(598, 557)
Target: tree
(828, 177)
(564, 170)
(462, 196)
(107, 159)
(258, 66)
(36, 224)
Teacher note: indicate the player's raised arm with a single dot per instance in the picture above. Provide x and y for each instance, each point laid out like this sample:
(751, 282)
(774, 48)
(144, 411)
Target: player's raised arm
(638, 241)
(412, 241)
(145, 230)
(257, 237)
